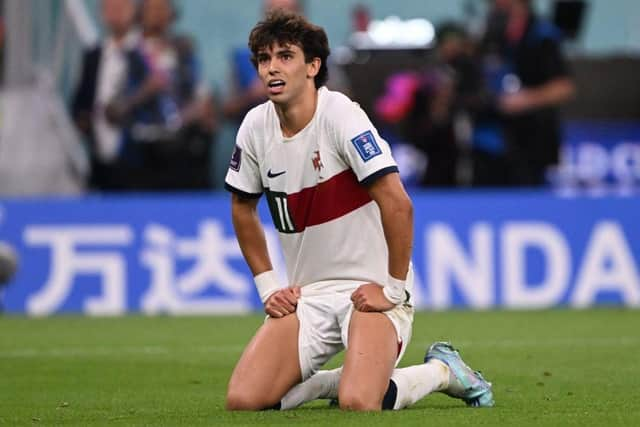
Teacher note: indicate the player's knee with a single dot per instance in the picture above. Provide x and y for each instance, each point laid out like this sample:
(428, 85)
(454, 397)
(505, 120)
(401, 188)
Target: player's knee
(243, 402)
(236, 402)
(359, 402)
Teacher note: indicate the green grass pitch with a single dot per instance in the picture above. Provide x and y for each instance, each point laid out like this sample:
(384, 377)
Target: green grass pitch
(560, 367)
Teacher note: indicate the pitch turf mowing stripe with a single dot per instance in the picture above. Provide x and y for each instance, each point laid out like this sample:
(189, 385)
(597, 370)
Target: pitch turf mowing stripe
(568, 342)
(107, 352)
(576, 368)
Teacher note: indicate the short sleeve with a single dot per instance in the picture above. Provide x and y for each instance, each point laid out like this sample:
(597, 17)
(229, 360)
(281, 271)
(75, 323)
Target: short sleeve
(552, 61)
(362, 148)
(243, 176)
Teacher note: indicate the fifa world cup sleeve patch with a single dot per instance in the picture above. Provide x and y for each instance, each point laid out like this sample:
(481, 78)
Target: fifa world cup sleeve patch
(236, 158)
(367, 146)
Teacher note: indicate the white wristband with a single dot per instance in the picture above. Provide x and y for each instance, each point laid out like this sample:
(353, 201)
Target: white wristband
(394, 290)
(267, 284)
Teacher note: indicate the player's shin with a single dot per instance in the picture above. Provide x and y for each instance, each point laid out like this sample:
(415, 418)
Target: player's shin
(408, 385)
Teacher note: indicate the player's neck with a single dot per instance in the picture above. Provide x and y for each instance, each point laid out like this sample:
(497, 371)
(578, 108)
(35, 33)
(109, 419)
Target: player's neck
(296, 115)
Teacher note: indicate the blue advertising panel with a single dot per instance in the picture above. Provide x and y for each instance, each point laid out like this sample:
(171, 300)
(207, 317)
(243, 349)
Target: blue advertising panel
(600, 157)
(179, 255)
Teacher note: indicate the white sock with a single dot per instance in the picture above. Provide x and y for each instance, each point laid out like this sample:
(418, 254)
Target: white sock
(415, 382)
(321, 385)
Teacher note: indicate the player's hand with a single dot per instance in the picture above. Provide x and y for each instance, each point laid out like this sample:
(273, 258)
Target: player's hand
(282, 302)
(370, 298)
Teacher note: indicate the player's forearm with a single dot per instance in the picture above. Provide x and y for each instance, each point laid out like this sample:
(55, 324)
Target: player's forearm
(254, 250)
(396, 211)
(397, 222)
(250, 235)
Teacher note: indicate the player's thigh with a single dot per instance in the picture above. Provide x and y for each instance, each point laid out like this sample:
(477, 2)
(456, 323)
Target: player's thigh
(268, 367)
(369, 361)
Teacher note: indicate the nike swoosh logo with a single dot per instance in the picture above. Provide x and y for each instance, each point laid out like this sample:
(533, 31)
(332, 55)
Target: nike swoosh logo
(273, 175)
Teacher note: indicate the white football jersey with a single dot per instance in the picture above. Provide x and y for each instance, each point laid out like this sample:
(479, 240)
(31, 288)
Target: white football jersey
(315, 184)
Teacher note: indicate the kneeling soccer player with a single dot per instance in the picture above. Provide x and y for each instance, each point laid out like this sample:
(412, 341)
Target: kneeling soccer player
(346, 228)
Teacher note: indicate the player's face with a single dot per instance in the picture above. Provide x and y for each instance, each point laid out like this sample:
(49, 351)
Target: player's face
(284, 72)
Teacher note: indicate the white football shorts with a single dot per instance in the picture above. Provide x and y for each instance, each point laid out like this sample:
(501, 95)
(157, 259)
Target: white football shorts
(324, 310)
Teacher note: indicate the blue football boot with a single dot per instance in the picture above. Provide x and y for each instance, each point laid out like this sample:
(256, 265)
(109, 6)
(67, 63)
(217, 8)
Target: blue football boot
(464, 383)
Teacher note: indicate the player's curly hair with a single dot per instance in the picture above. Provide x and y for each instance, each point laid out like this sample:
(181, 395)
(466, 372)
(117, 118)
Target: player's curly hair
(286, 27)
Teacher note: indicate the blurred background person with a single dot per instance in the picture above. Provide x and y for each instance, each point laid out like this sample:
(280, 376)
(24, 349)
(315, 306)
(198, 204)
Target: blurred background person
(103, 76)
(360, 21)
(360, 18)
(166, 108)
(40, 150)
(524, 65)
(427, 104)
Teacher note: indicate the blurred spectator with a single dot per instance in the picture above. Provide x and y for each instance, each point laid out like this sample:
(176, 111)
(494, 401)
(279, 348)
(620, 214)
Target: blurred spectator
(360, 20)
(530, 78)
(104, 74)
(166, 109)
(427, 104)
